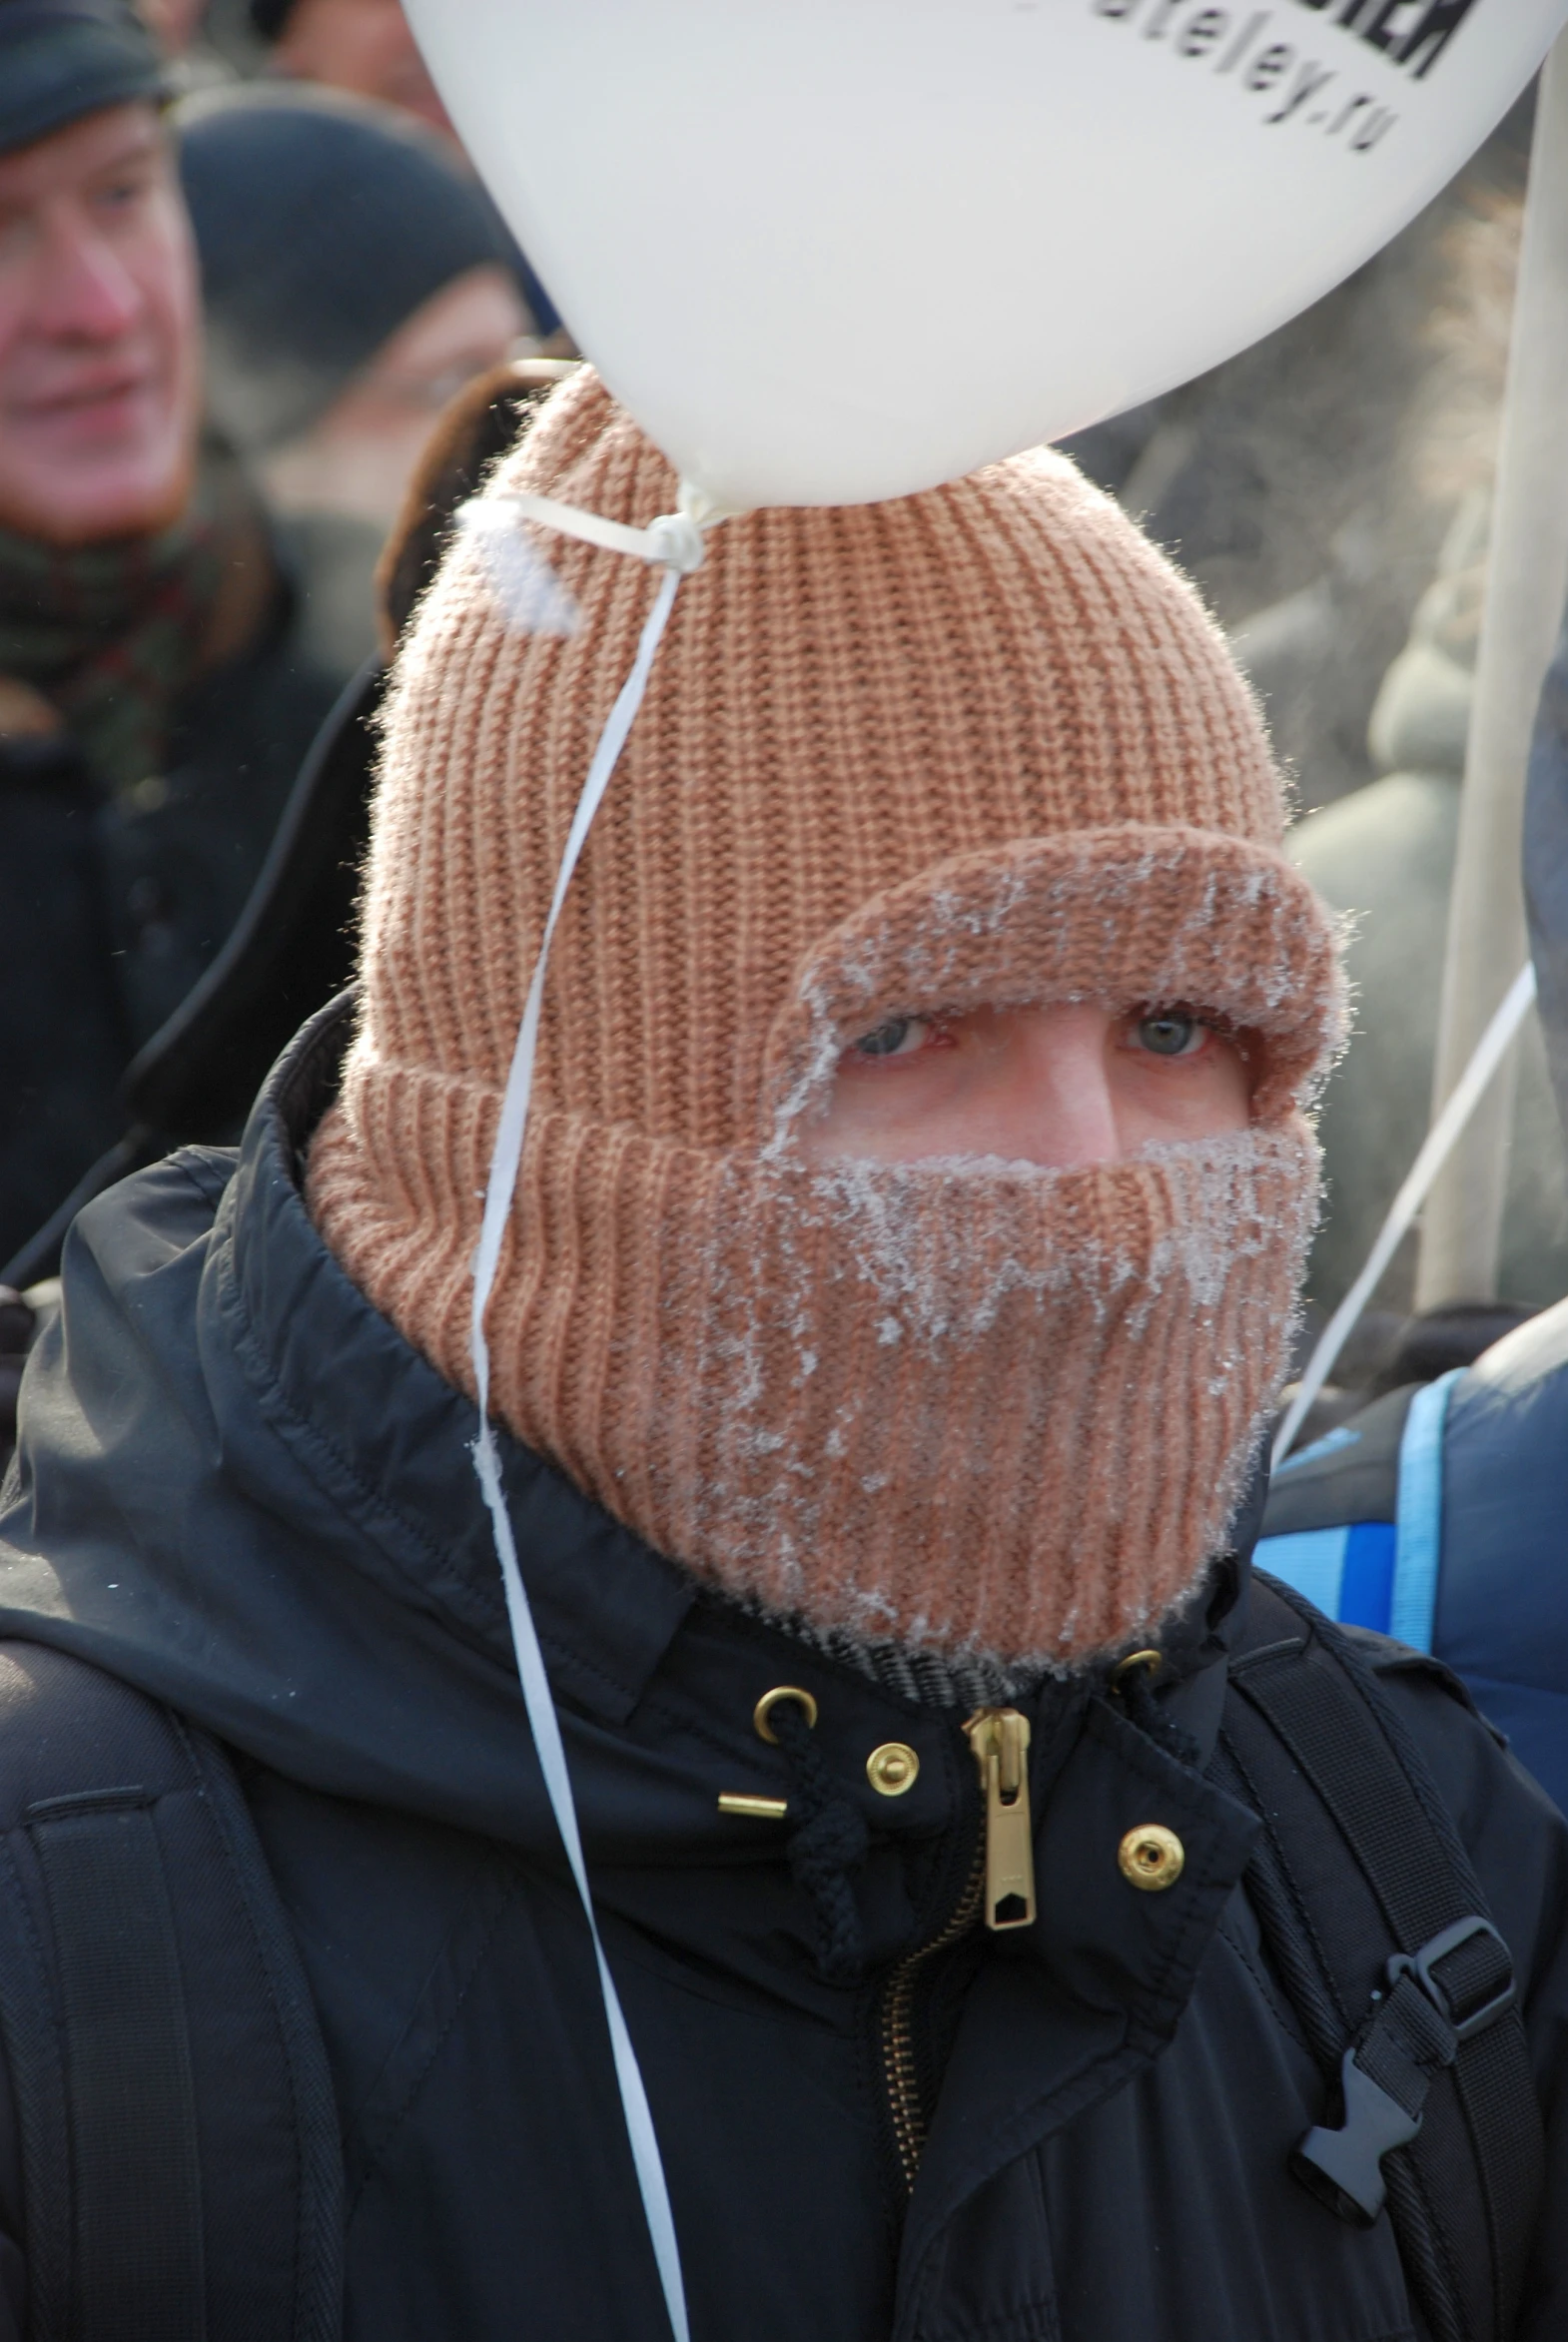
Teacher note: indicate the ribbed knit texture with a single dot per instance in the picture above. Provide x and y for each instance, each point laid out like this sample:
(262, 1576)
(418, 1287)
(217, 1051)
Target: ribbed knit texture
(977, 745)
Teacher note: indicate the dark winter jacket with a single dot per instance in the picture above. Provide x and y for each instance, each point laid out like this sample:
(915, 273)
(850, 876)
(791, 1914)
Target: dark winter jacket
(111, 910)
(240, 1490)
(1440, 1515)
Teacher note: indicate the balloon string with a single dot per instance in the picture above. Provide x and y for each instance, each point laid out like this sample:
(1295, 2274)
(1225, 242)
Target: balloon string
(673, 542)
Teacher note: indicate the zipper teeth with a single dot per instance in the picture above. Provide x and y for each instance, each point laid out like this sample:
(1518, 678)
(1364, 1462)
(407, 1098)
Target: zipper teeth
(898, 2033)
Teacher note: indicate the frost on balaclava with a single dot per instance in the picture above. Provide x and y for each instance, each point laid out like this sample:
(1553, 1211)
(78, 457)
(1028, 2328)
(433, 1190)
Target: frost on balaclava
(975, 746)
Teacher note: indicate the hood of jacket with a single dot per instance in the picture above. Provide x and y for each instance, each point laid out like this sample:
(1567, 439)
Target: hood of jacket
(239, 1489)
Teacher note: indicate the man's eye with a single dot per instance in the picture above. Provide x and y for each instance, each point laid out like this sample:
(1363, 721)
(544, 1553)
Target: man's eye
(900, 1036)
(1168, 1033)
(121, 188)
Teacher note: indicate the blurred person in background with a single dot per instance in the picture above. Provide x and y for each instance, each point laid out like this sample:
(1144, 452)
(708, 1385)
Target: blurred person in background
(360, 45)
(365, 47)
(353, 279)
(1384, 853)
(1314, 539)
(1384, 856)
(174, 24)
(1348, 568)
(155, 696)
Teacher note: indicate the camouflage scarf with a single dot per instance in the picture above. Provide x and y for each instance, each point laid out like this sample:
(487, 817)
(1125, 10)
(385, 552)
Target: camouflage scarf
(110, 637)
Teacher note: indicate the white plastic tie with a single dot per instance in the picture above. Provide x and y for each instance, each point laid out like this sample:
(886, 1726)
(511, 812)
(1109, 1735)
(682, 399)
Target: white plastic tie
(673, 542)
(1439, 1144)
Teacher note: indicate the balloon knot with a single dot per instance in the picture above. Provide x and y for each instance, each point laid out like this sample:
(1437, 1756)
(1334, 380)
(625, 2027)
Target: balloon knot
(677, 541)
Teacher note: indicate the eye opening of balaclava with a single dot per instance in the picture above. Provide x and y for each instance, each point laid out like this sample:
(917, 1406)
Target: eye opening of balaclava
(1124, 914)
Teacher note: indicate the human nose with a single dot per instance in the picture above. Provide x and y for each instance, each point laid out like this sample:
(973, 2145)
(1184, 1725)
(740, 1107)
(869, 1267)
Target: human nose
(88, 294)
(1069, 1109)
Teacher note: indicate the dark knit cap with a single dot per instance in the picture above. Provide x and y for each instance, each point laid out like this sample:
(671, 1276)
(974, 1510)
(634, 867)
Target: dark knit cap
(323, 223)
(61, 59)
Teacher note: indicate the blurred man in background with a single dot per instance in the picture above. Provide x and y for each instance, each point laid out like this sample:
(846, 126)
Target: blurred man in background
(353, 278)
(365, 47)
(360, 45)
(155, 700)
(174, 24)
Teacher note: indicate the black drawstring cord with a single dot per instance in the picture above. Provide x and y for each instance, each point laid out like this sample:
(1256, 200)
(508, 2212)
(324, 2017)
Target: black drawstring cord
(1132, 1679)
(829, 1841)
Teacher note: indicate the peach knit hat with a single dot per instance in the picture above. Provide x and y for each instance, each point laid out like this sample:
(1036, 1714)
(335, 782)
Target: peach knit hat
(979, 745)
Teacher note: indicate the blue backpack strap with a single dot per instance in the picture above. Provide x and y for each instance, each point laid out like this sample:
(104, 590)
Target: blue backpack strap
(1329, 1524)
(181, 2158)
(1354, 1522)
(1418, 1546)
(1350, 1474)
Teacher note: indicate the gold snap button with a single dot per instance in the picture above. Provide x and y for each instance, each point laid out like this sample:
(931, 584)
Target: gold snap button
(892, 1767)
(1152, 1857)
(770, 1700)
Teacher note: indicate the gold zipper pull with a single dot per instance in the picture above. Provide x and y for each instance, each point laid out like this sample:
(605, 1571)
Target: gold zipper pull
(1000, 1740)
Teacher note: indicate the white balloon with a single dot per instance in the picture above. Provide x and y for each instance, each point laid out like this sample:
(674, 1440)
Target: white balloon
(830, 251)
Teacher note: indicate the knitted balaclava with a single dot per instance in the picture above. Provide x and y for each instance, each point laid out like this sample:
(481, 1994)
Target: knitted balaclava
(975, 746)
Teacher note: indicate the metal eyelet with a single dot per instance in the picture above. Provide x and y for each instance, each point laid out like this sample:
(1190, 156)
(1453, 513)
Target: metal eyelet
(770, 1700)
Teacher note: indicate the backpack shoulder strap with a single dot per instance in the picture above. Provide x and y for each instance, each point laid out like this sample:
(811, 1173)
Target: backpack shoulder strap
(1350, 1474)
(181, 2164)
(1354, 1522)
(1378, 1927)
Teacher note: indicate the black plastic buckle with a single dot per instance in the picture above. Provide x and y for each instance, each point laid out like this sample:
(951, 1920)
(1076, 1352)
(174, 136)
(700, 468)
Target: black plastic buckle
(1419, 1966)
(1344, 2168)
